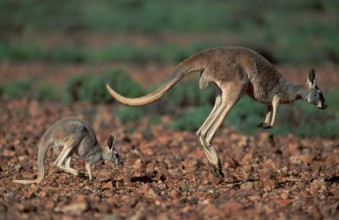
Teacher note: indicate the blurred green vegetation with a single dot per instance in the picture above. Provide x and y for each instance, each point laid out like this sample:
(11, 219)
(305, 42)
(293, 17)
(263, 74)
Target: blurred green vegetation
(119, 52)
(31, 88)
(85, 87)
(299, 31)
(92, 88)
(126, 114)
(188, 93)
(157, 16)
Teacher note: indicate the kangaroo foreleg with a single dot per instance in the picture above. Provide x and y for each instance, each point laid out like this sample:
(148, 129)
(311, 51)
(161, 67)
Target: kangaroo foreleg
(266, 124)
(275, 104)
(89, 170)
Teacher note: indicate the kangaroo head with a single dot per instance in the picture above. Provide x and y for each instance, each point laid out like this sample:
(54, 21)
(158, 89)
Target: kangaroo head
(109, 152)
(314, 94)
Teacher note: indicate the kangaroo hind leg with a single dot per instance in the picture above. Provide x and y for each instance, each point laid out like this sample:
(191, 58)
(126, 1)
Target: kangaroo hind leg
(208, 120)
(67, 168)
(228, 98)
(64, 159)
(201, 135)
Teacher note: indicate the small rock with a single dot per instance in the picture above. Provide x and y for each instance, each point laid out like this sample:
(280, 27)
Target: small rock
(137, 164)
(284, 203)
(25, 207)
(77, 207)
(22, 158)
(231, 206)
(107, 185)
(152, 194)
(174, 194)
(314, 212)
(108, 193)
(102, 206)
(285, 195)
(104, 175)
(144, 189)
(8, 153)
(255, 197)
(269, 164)
(161, 186)
(246, 186)
(318, 185)
(211, 211)
(42, 194)
(300, 159)
(49, 204)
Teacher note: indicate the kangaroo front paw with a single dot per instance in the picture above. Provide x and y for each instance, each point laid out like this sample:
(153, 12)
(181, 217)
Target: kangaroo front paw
(264, 125)
(260, 124)
(216, 170)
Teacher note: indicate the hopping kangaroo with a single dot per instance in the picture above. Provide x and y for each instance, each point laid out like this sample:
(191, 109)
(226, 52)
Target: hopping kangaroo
(234, 71)
(76, 136)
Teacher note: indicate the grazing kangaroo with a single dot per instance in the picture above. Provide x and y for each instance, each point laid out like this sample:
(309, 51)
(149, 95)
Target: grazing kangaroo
(76, 136)
(234, 71)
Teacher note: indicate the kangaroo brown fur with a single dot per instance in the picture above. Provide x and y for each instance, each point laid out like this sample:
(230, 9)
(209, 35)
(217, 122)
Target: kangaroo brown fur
(234, 71)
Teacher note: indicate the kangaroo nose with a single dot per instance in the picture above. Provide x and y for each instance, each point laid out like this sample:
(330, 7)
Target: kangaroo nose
(323, 106)
(120, 162)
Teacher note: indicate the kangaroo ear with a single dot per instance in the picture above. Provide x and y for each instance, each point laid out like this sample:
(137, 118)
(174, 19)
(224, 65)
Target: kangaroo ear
(312, 77)
(110, 142)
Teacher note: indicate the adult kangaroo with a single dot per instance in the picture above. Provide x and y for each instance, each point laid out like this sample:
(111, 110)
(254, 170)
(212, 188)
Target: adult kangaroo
(234, 71)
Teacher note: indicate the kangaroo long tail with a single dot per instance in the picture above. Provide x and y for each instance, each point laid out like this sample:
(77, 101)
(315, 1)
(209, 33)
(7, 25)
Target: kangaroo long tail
(41, 168)
(175, 77)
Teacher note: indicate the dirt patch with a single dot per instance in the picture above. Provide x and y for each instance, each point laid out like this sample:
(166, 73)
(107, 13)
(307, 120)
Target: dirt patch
(165, 175)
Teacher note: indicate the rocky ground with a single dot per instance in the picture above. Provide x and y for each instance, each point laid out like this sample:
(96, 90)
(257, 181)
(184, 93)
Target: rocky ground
(165, 174)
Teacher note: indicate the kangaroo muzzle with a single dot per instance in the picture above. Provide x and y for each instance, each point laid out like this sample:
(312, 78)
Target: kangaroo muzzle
(119, 161)
(322, 106)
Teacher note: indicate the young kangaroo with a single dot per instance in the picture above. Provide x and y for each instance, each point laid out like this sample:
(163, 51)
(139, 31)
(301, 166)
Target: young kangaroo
(233, 71)
(76, 136)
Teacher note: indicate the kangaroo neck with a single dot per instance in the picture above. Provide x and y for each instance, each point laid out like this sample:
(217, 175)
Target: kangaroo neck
(95, 156)
(298, 91)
